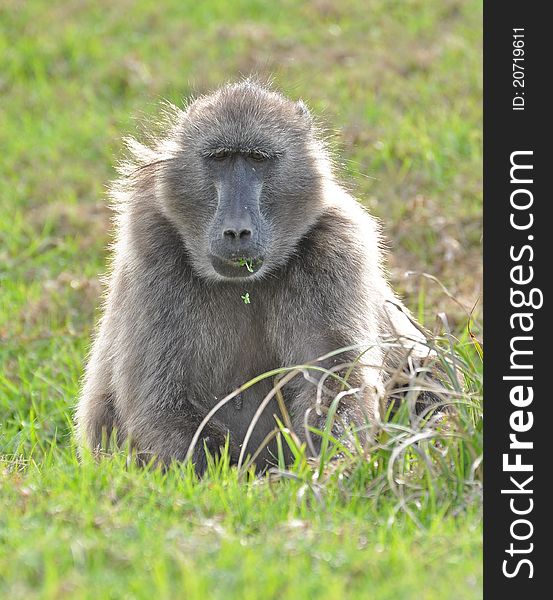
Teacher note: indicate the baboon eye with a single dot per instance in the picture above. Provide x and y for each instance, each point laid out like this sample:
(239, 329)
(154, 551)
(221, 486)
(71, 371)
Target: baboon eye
(220, 154)
(256, 155)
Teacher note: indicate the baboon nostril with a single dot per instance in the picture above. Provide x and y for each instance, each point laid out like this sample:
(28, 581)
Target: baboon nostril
(237, 234)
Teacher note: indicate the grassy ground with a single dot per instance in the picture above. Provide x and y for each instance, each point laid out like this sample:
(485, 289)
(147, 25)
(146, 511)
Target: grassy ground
(400, 83)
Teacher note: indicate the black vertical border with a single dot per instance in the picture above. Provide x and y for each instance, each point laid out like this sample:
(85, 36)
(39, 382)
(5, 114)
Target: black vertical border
(506, 131)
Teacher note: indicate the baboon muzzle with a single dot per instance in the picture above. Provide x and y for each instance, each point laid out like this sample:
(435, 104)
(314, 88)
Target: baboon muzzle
(236, 236)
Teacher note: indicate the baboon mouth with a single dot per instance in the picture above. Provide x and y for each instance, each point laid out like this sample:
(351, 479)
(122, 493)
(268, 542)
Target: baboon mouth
(239, 267)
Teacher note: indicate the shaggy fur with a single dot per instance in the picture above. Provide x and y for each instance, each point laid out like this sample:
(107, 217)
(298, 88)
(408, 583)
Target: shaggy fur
(176, 336)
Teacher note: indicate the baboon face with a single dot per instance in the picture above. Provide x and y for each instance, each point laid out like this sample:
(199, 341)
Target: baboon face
(245, 182)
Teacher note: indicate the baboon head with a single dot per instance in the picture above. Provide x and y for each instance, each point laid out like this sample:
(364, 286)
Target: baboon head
(244, 182)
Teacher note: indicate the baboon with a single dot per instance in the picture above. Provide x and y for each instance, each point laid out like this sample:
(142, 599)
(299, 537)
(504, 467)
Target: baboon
(237, 252)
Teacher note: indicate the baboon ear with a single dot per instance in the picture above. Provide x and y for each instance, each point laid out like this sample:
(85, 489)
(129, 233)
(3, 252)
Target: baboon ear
(303, 111)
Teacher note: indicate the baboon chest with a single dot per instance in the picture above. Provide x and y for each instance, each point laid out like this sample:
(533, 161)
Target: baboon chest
(228, 348)
(226, 353)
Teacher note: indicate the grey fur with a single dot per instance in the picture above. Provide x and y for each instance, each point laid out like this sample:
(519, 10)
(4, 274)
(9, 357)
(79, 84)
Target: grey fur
(176, 336)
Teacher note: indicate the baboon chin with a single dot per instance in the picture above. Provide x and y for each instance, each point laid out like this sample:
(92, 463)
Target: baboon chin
(237, 252)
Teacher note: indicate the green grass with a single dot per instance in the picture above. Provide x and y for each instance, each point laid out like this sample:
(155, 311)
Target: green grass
(399, 84)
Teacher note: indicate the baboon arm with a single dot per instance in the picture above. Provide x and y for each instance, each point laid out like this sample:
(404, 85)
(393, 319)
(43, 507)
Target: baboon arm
(95, 414)
(167, 437)
(400, 325)
(309, 399)
(349, 417)
(95, 421)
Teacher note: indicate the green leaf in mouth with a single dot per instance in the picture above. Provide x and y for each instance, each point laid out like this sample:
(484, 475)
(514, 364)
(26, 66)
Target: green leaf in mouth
(246, 262)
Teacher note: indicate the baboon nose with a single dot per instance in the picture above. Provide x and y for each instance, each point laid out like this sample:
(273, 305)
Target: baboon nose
(237, 234)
